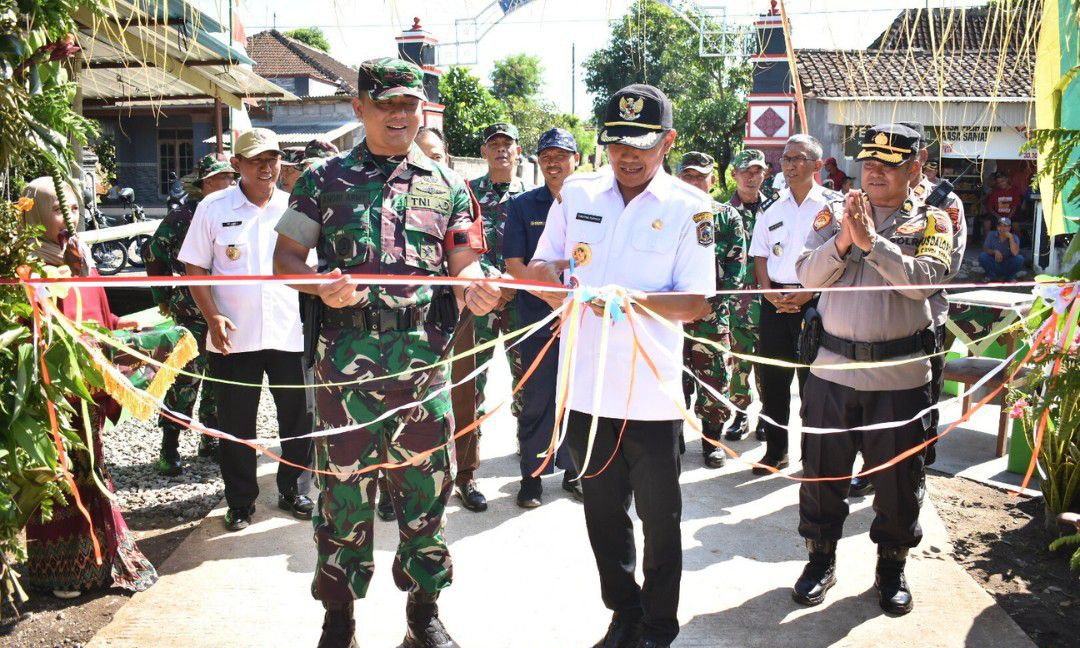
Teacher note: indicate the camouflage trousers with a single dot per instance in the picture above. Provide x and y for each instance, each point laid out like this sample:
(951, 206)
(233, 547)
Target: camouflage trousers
(182, 395)
(712, 366)
(489, 327)
(744, 331)
(344, 517)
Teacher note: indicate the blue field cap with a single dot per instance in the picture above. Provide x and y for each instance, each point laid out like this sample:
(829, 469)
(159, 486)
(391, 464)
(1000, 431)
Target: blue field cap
(557, 138)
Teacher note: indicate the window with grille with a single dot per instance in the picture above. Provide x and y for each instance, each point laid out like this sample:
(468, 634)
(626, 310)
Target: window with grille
(176, 154)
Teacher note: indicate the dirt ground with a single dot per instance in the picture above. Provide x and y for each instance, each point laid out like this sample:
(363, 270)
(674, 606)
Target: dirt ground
(999, 539)
(1001, 542)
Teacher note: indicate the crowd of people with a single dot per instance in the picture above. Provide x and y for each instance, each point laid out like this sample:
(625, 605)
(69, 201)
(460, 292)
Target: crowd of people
(363, 361)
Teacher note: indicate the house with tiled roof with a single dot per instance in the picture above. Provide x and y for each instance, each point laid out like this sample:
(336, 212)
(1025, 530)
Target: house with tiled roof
(324, 85)
(965, 73)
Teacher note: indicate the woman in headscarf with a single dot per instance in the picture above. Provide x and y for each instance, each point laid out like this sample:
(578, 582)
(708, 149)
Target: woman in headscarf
(60, 552)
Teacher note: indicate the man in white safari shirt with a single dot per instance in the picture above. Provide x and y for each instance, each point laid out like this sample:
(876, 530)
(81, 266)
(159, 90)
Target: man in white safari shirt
(632, 225)
(254, 328)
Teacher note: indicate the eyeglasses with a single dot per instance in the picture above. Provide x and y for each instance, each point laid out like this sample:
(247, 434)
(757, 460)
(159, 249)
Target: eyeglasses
(798, 159)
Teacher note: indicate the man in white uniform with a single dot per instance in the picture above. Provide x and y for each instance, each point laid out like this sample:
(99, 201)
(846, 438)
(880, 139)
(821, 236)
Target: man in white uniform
(254, 328)
(634, 226)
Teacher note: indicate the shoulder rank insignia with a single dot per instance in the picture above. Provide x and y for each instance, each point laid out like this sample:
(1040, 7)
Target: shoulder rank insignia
(823, 218)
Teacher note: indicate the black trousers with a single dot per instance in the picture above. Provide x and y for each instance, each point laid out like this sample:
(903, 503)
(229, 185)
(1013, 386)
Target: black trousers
(823, 506)
(537, 418)
(937, 383)
(779, 335)
(645, 467)
(237, 411)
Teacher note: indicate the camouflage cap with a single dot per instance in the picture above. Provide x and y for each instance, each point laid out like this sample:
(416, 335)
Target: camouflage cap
(386, 77)
(697, 161)
(210, 165)
(292, 156)
(748, 158)
(501, 128)
(320, 148)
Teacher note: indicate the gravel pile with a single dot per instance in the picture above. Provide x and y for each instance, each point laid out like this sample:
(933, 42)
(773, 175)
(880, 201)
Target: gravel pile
(150, 500)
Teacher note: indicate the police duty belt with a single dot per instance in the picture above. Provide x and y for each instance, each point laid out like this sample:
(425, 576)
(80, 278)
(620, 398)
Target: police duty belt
(922, 342)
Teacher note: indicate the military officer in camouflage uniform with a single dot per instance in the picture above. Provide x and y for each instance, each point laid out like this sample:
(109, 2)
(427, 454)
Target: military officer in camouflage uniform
(213, 173)
(884, 237)
(750, 198)
(712, 365)
(493, 191)
(384, 208)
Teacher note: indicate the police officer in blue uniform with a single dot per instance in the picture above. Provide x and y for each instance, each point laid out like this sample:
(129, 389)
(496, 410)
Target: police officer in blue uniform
(526, 215)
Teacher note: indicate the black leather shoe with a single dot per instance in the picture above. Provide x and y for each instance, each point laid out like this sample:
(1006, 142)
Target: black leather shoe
(759, 431)
(893, 593)
(860, 487)
(423, 627)
(339, 627)
(472, 498)
(776, 462)
(818, 576)
(738, 429)
(169, 463)
(715, 458)
(621, 633)
(529, 493)
(237, 519)
(571, 484)
(385, 507)
(300, 506)
(920, 489)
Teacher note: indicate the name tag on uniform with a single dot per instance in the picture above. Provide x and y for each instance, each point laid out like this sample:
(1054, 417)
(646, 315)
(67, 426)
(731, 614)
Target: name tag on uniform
(776, 226)
(437, 203)
(537, 223)
(232, 223)
(590, 218)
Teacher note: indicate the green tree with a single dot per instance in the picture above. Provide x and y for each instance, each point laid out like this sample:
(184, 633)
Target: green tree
(517, 75)
(469, 108)
(311, 36)
(652, 44)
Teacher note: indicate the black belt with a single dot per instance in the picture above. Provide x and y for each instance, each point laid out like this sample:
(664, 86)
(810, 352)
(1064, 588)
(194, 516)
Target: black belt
(783, 286)
(375, 319)
(922, 342)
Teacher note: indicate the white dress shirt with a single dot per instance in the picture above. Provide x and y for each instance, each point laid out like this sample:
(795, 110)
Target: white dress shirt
(781, 230)
(230, 236)
(651, 244)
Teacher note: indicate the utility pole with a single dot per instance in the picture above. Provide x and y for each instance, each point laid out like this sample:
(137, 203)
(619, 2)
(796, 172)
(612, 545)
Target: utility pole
(573, 78)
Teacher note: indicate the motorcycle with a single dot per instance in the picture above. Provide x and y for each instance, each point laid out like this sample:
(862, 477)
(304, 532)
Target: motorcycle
(109, 257)
(133, 245)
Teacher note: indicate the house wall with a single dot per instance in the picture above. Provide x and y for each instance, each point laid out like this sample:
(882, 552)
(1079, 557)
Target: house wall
(136, 140)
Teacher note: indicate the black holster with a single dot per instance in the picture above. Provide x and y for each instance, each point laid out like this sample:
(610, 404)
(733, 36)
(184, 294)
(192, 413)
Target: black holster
(311, 316)
(809, 337)
(444, 309)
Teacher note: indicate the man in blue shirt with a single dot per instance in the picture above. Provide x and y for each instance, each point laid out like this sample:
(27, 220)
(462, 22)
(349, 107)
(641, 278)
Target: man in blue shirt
(526, 216)
(1001, 253)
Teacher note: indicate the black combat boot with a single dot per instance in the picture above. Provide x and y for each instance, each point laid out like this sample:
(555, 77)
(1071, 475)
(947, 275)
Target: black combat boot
(423, 627)
(893, 593)
(339, 627)
(818, 575)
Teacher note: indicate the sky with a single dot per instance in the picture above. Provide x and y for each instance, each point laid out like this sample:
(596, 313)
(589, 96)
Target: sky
(551, 29)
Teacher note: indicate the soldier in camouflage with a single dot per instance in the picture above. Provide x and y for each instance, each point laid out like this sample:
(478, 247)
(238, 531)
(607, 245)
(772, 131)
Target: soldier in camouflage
(291, 167)
(750, 198)
(384, 208)
(213, 173)
(708, 363)
(493, 191)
